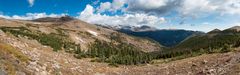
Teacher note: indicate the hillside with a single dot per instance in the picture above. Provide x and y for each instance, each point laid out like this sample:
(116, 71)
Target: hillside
(22, 56)
(215, 41)
(71, 46)
(167, 38)
(76, 31)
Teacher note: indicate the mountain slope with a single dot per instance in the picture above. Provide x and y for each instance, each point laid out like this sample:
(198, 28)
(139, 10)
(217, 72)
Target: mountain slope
(76, 31)
(165, 37)
(213, 40)
(51, 19)
(84, 40)
(50, 48)
(44, 61)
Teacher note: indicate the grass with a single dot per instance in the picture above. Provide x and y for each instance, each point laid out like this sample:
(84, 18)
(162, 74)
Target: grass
(11, 70)
(57, 41)
(8, 57)
(4, 48)
(45, 39)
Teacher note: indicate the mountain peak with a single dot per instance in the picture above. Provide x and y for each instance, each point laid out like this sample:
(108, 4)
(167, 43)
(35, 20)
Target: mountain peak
(235, 28)
(215, 31)
(66, 18)
(54, 19)
(143, 28)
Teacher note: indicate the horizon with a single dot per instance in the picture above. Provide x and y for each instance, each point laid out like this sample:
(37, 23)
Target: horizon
(195, 15)
(134, 26)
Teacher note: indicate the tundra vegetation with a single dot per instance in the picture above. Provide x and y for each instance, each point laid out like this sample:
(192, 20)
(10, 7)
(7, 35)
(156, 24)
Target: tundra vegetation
(119, 52)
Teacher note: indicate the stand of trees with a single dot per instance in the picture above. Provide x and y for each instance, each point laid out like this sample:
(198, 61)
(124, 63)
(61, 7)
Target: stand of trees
(120, 53)
(219, 43)
(56, 41)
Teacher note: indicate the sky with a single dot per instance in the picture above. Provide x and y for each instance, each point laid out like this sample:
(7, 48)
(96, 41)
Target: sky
(197, 15)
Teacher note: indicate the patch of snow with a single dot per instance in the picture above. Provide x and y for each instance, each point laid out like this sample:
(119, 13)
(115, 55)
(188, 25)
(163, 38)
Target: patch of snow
(92, 32)
(36, 23)
(79, 39)
(99, 73)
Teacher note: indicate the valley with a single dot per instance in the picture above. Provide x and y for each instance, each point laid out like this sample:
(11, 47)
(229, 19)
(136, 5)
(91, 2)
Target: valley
(69, 46)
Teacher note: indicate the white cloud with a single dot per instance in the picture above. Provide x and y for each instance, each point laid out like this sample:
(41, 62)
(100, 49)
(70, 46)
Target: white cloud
(88, 11)
(183, 7)
(146, 5)
(196, 7)
(152, 12)
(88, 15)
(112, 7)
(104, 6)
(200, 7)
(31, 16)
(118, 4)
(31, 2)
(4, 16)
(230, 7)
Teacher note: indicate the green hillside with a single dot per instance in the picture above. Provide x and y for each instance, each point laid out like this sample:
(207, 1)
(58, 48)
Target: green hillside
(212, 42)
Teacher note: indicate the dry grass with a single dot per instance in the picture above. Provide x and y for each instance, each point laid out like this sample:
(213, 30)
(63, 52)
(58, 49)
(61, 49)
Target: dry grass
(8, 49)
(8, 57)
(10, 68)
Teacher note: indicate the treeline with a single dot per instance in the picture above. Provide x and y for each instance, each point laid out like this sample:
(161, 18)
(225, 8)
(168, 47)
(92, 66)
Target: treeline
(210, 42)
(113, 53)
(206, 44)
(54, 40)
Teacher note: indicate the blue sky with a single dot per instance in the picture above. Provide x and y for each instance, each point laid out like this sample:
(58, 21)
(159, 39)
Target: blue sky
(21, 7)
(201, 15)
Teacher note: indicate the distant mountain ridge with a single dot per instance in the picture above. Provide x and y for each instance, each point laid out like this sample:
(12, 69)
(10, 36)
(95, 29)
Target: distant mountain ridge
(235, 28)
(212, 40)
(165, 37)
(54, 19)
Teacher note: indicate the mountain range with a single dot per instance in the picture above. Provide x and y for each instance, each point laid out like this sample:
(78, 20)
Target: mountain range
(166, 37)
(68, 46)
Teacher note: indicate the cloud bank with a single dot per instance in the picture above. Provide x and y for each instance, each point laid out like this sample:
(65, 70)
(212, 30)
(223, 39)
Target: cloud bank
(156, 12)
(88, 15)
(31, 16)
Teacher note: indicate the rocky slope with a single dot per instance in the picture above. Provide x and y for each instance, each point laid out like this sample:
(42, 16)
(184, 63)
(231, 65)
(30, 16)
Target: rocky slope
(41, 60)
(80, 32)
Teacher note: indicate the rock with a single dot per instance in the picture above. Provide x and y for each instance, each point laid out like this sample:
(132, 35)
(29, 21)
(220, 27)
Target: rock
(2, 33)
(20, 73)
(99, 73)
(194, 64)
(43, 73)
(204, 61)
(211, 71)
(2, 72)
(75, 68)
